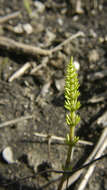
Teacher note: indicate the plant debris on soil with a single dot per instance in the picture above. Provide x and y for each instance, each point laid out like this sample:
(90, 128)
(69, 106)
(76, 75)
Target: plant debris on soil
(37, 39)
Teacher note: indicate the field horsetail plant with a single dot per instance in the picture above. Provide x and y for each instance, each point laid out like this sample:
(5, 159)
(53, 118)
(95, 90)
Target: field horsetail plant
(72, 119)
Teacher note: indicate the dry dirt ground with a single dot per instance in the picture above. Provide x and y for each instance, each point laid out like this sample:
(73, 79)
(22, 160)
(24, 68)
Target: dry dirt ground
(41, 94)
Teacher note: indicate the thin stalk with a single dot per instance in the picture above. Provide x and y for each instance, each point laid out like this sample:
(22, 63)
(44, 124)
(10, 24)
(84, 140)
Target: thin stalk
(68, 159)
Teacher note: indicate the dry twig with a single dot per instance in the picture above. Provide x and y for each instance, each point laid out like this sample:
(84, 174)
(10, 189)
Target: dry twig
(20, 72)
(14, 121)
(102, 120)
(38, 67)
(26, 66)
(97, 149)
(53, 137)
(69, 172)
(9, 16)
(65, 42)
(87, 176)
(18, 47)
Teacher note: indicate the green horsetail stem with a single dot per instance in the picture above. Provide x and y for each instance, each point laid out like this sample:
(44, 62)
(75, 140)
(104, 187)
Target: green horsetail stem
(72, 119)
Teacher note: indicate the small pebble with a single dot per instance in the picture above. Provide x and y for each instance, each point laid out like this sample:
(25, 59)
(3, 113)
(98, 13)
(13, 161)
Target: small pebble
(63, 11)
(50, 36)
(93, 56)
(45, 89)
(79, 8)
(60, 21)
(92, 33)
(77, 65)
(75, 18)
(60, 83)
(100, 7)
(28, 28)
(39, 6)
(101, 39)
(18, 29)
(7, 155)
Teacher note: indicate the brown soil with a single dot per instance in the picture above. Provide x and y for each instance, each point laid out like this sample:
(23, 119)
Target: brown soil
(57, 21)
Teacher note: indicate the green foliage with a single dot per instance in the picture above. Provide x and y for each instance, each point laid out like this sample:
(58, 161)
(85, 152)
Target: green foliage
(27, 6)
(71, 103)
(71, 88)
(71, 143)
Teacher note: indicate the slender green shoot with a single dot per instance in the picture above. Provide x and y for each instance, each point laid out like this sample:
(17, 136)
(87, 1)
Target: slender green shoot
(27, 6)
(72, 119)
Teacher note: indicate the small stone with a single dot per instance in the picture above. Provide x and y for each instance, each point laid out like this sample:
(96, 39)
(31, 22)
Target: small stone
(93, 33)
(77, 65)
(28, 28)
(93, 56)
(18, 29)
(75, 18)
(63, 11)
(60, 83)
(39, 6)
(50, 36)
(101, 39)
(7, 155)
(79, 8)
(100, 7)
(60, 21)
(93, 12)
(45, 89)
